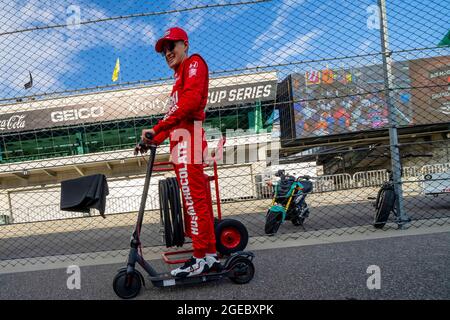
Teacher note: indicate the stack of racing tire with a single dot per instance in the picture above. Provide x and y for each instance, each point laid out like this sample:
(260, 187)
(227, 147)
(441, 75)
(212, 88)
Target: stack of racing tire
(231, 234)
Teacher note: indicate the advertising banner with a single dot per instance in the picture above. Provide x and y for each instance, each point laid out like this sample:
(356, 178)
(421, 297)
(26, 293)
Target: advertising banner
(430, 79)
(339, 101)
(128, 106)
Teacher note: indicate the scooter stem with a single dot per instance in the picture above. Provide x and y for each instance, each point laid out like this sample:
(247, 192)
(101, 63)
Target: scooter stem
(148, 176)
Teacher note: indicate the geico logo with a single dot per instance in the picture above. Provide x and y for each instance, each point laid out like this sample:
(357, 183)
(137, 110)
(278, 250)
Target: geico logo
(76, 114)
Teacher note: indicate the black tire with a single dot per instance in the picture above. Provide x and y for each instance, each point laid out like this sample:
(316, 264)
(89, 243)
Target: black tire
(242, 271)
(273, 222)
(171, 212)
(165, 212)
(130, 290)
(298, 221)
(385, 204)
(231, 236)
(176, 211)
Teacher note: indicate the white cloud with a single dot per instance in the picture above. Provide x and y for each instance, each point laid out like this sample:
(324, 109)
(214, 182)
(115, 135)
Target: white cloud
(148, 34)
(285, 53)
(48, 54)
(278, 28)
(194, 19)
(364, 46)
(195, 22)
(173, 19)
(51, 54)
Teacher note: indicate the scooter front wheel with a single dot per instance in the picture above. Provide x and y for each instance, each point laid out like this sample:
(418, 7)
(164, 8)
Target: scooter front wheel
(127, 286)
(242, 271)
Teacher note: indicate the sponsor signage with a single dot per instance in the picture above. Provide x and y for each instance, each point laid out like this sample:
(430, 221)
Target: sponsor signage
(430, 79)
(239, 94)
(13, 122)
(332, 102)
(124, 107)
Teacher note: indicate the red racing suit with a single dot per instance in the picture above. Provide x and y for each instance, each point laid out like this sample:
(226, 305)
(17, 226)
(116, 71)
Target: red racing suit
(183, 122)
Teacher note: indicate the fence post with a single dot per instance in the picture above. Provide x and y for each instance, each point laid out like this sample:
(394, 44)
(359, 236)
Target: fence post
(402, 217)
(11, 218)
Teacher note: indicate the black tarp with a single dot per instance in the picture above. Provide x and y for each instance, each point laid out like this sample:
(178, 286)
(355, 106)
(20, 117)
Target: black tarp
(82, 194)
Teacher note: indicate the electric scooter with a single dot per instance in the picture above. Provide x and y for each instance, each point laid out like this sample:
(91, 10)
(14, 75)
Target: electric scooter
(128, 281)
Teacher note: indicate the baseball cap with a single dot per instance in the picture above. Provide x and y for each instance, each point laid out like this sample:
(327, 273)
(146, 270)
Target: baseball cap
(172, 34)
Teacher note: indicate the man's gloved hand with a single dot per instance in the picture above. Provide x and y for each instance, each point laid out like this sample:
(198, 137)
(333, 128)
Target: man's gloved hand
(140, 148)
(147, 135)
(146, 139)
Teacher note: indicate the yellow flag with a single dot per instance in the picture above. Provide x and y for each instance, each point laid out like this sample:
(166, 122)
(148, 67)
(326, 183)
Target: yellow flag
(116, 71)
(348, 77)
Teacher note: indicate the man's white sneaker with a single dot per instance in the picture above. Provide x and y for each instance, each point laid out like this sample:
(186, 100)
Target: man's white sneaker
(213, 263)
(192, 267)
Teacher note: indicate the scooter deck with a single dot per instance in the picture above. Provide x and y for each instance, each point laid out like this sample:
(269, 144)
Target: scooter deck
(226, 270)
(167, 280)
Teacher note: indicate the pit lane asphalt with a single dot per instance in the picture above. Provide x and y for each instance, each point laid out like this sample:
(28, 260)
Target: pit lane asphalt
(412, 267)
(322, 217)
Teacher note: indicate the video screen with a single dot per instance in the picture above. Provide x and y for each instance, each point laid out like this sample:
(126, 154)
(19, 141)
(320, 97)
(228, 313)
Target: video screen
(332, 102)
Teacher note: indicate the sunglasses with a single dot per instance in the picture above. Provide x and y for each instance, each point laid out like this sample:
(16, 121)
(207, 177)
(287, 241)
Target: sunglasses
(169, 45)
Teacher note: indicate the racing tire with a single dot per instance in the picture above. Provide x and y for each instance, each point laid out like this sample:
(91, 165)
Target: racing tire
(171, 212)
(176, 212)
(231, 236)
(164, 213)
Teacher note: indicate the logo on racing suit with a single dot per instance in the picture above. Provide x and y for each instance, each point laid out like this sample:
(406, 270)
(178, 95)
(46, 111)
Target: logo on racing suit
(183, 173)
(172, 105)
(193, 69)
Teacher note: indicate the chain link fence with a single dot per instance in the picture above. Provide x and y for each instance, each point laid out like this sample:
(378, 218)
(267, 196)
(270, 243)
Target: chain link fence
(352, 95)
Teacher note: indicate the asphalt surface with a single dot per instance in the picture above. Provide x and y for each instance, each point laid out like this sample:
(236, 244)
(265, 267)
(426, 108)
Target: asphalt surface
(411, 267)
(322, 217)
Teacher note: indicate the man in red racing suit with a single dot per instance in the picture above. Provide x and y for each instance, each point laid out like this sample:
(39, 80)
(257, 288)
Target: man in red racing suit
(183, 124)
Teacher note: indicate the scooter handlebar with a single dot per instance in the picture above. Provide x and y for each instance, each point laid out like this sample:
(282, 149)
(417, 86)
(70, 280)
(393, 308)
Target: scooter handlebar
(148, 136)
(142, 147)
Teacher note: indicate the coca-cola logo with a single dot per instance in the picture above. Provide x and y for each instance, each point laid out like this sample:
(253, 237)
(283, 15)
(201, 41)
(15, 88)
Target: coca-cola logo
(13, 123)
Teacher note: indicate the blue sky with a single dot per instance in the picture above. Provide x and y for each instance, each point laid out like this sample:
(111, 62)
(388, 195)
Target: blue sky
(231, 37)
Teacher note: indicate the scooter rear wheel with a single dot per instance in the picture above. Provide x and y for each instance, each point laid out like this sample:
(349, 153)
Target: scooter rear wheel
(242, 271)
(127, 286)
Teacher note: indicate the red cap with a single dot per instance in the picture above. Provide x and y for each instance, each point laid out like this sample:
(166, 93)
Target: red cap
(171, 34)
